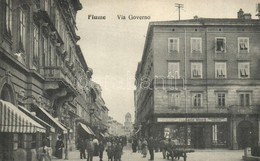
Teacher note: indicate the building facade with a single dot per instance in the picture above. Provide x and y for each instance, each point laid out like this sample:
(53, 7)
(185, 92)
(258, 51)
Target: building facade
(198, 82)
(42, 70)
(128, 125)
(115, 128)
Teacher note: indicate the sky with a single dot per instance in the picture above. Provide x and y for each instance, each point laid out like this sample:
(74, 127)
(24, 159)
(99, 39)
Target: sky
(112, 47)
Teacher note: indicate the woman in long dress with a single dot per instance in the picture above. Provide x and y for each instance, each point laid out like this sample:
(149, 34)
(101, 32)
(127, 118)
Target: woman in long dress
(144, 148)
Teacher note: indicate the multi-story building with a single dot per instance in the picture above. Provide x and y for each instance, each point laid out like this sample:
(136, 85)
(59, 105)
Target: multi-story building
(115, 128)
(42, 70)
(128, 125)
(198, 82)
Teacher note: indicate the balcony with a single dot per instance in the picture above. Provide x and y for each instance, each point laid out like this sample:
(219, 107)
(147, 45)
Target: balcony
(238, 110)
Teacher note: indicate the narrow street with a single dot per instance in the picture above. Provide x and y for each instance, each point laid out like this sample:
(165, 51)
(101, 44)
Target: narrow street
(198, 155)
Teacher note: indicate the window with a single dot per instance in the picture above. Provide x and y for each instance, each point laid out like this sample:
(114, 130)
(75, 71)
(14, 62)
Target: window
(197, 99)
(220, 46)
(22, 24)
(243, 45)
(196, 70)
(243, 70)
(174, 99)
(8, 16)
(196, 45)
(220, 70)
(173, 69)
(45, 52)
(173, 45)
(35, 44)
(219, 134)
(244, 99)
(220, 99)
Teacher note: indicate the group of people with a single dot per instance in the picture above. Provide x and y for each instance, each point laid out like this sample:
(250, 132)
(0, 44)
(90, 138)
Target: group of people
(95, 147)
(143, 145)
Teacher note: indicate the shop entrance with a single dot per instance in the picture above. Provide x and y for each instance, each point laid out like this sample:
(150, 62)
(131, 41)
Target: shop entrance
(197, 137)
(245, 134)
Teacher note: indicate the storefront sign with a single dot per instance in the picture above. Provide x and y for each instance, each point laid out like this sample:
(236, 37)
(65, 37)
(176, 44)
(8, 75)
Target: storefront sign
(191, 119)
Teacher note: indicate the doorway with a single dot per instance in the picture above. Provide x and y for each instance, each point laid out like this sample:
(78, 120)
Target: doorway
(245, 134)
(198, 137)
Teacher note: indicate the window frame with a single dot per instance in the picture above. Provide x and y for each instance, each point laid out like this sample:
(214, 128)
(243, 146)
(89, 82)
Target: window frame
(239, 70)
(35, 44)
(176, 102)
(8, 16)
(238, 45)
(200, 45)
(217, 99)
(244, 104)
(22, 29)
(193, 99)
(197, 64)
(224, 45)
(177, 45)
(216, 70)
(175, 71)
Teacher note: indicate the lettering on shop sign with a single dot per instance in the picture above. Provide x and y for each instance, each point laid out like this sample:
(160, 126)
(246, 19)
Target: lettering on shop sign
(191, 119)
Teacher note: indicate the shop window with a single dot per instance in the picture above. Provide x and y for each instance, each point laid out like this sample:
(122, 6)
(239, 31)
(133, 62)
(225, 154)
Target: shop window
(173, 45)
(220, 70)
(178, 134)
(220, 45)
(219, 135)
(243, 70)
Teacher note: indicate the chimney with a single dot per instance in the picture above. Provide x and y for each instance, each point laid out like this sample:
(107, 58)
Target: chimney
(240, 14)
(258, 10)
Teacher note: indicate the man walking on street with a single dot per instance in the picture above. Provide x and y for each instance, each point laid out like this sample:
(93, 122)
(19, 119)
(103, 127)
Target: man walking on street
(82, 148)
(90, 149)
(151, 146)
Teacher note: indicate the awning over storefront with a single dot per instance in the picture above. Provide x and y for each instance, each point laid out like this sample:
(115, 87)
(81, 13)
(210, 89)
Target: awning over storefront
(41, 122)
(103, 135)
(87, 129)
(65, 131)
(15, 121)
(68, 128)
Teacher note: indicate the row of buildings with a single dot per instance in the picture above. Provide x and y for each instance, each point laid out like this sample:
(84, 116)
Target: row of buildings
(199, 83)
(45, 83)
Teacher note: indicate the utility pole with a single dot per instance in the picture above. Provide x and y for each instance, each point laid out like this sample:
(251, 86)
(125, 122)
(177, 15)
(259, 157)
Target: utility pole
(179, 6)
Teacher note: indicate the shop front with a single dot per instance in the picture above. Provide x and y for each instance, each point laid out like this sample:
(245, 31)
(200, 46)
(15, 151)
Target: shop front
(199, 132)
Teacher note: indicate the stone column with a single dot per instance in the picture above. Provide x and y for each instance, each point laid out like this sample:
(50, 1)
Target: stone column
(259, 132)
(234, 132)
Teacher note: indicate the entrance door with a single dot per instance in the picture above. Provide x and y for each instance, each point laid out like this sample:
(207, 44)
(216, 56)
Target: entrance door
(245, 134)
(197, 137)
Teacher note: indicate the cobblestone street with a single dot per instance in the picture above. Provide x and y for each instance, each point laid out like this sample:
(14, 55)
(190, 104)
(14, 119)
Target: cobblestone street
(198, 155)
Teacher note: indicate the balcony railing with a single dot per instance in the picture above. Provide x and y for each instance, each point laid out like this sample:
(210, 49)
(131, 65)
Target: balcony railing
(58, 73)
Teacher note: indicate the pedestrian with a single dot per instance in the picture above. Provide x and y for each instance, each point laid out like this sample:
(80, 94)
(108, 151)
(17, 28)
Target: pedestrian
(59, 148)
(163, 145)
(144, 147)
(139, 144)
(110, 153)
(46, 144)
(134, 144)
(96, 142)
(118, 151)
(82, 148)
(101, 148)
(151, 147)
(90, 149)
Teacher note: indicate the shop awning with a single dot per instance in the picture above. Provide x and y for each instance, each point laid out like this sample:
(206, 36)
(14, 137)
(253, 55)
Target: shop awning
(87, 129)
(103, 135)
(15, 121)
(41, 122)
(64, 130)
(68, 128)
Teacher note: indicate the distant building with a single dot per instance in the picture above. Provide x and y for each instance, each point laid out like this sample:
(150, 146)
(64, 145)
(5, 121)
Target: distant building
(115, 128)
(202, 82)
(128, 125)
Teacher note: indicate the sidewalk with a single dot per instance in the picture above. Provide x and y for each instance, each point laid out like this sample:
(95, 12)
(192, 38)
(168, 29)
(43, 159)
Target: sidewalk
(198, 155)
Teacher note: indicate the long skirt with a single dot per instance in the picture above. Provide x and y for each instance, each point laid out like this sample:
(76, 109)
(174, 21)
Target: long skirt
(144, 151)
